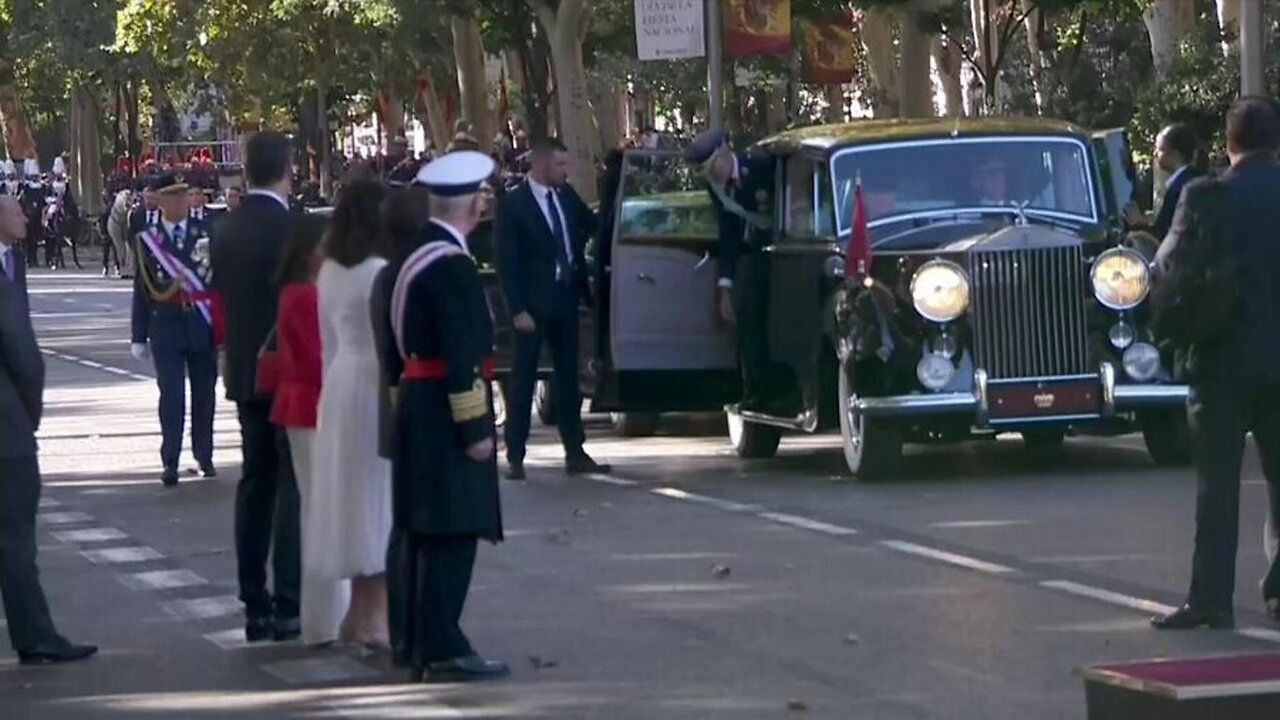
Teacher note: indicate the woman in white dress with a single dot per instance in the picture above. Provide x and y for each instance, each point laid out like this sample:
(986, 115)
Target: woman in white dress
(350, 513)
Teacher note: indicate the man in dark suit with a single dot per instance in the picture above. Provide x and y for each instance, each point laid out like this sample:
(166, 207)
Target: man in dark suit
(741, 187)
(145, 215)
(1177, 153)
(1217, 290)
(541, 231)
(31, 629)
(246, 251)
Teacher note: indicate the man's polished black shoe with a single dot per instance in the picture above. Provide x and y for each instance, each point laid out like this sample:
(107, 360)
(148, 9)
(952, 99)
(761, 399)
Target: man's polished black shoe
(54, 653)
(1189, 618)
(465, 669)
(515, 471)
(584, 465)
(285, 629)
(169, 477)
(208, 470)
(258, 630)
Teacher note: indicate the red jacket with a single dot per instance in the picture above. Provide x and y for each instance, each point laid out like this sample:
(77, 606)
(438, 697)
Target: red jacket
(298, 350)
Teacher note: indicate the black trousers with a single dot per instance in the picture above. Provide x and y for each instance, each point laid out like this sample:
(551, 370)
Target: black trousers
(401, 569)
(442, 581)
(25, 606)
(750, 304)
(560, 331)
(267, 522)
(178, 359)
(1221, 411)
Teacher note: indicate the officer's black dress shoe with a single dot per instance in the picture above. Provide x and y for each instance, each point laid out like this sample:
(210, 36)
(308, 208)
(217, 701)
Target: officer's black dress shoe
(465, 669)
(1189, 618)
(258, 630)
(53, 653)
(208, 470)
(169, 477)
(583, 465)
(515, 471)
(286, 628)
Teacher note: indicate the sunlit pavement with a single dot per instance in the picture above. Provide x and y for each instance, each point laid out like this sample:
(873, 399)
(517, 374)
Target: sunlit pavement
(690, 585)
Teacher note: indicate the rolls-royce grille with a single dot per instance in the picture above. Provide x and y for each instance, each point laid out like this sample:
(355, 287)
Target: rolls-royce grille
(1028, 312)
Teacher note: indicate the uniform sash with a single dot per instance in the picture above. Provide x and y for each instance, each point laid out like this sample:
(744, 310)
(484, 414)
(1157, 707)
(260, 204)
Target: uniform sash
(420, 260)
(195, 287)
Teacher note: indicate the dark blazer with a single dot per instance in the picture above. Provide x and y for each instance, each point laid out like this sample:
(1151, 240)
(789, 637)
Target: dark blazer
(1164, 219)
(527, 252)
(138, 221)
(1216, 270)
(246, 249)
(21, 374)
(753, 190)
(19, 261)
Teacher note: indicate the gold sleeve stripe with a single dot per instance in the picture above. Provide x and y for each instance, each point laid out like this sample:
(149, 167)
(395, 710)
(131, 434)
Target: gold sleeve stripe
(470, 405)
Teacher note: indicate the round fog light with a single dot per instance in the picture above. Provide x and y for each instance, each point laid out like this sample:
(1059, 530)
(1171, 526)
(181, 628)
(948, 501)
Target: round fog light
(1121, 335)
(1142, 362)
(934, 371)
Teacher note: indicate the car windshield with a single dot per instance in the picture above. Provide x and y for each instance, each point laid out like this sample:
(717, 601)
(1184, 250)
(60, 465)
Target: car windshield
(938, 177)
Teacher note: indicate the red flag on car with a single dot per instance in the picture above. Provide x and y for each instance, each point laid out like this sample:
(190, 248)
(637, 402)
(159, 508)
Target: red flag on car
(857, 258)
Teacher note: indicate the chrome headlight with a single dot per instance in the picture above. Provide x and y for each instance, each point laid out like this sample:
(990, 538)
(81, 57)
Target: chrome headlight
(1142, 362)
(1121, 278)
(940, 291)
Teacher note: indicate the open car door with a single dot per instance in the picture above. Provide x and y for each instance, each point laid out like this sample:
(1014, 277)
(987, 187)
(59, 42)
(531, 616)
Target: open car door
(1115, 166)
(663, 347)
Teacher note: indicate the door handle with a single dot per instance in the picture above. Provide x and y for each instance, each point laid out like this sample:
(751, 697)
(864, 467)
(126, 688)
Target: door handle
(646, 278)
(706, 258)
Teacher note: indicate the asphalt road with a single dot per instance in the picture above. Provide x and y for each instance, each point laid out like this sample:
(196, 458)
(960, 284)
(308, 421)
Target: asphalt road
(690, 585)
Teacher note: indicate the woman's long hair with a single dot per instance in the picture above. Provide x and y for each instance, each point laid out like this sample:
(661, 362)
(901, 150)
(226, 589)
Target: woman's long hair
(354, 232)
(295, 263)
(402, 215)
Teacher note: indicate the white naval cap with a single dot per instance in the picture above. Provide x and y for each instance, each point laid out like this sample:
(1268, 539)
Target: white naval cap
(59, 166)
(455, 174)
(8, 168)
(30, 167)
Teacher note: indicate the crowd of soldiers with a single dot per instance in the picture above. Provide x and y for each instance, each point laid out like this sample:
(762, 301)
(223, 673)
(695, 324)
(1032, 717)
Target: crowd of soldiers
(50, 207)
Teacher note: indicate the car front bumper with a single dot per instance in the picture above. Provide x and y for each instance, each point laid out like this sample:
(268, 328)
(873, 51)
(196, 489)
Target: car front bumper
(1113, 398)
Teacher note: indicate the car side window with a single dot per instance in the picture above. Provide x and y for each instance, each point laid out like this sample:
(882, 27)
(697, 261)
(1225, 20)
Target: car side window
(825, 222)
(801, 211)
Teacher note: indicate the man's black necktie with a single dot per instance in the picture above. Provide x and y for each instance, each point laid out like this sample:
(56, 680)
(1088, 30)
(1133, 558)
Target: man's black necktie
(557, 230)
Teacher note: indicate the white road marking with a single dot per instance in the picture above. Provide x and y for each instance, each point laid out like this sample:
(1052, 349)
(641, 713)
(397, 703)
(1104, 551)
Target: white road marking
(203, 608)
(726, 505)
(1109, 597)
(162, 580)
(64, 518)
(949, 558)
(978, 524)
(619, 482)
(320, 670)
(48, 502)
(122, 555)
(91, 535)
(92, 364)
(808, 524)
(1260, 633)
(1068, 559)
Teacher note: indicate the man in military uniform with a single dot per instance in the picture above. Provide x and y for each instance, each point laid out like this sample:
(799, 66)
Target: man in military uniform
(61, 218)
(173, 323)
(9, 183)
(741, 187)
(444, 470)
(32, 196)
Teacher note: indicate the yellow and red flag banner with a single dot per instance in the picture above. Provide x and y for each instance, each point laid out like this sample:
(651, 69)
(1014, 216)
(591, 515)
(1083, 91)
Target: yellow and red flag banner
(757, 27)
(826, 49)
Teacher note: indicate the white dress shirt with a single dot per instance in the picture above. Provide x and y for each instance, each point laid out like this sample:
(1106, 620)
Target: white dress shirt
(171, 228)
(541, 193)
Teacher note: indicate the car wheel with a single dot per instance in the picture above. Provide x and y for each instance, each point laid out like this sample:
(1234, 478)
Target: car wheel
(544, 402)
(872, 446)
(1044, 439)
(634, 425)
(1167, 436)
(752, 441)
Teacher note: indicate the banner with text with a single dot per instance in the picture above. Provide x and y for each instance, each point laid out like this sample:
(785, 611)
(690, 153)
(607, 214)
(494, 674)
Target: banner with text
(826, 49)
(757, 27)
(670, 29)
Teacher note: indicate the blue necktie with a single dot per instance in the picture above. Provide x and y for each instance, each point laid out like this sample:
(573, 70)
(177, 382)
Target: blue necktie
(557, 230)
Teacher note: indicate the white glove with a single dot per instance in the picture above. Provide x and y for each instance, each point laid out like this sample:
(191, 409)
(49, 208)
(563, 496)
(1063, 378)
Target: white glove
(140, 351)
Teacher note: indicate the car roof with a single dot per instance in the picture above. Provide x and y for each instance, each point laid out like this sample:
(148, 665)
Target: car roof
(826, 137)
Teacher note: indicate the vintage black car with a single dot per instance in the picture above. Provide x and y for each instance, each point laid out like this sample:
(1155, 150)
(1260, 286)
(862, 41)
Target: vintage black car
(1004, 294)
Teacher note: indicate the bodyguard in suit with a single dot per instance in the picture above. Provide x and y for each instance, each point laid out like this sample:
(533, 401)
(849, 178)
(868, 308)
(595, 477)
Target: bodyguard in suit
(541, 232)
(1217, 295)
(741, 187)
(31, 629)
(145, 214)
(1178, 154)
(173, 324)
(246, 250)
(444, 473)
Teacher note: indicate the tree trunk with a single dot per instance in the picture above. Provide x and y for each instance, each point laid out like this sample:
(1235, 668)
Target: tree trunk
(877, 38)
(566, 27)
(915, 87)
(394, 119)
(468, 51)
(1033, 23)
(134, 133)
(1168, 23)
(948, 62)
(18, 139)
(835, 103)
(432, 110)
(1229, 23)
(989, 52)
(323, 150)
(610, 112)
(85, 158)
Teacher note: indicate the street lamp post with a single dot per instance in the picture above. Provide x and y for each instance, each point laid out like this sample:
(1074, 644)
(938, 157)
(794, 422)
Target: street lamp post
(1251, 42)
(715, 65)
